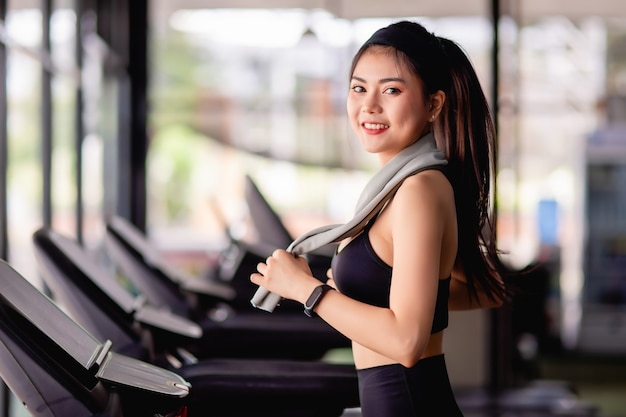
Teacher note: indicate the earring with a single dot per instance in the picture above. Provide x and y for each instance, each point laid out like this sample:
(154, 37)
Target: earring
(432, 117)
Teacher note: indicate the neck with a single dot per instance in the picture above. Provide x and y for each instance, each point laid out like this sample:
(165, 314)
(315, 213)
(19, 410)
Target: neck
(385, 158)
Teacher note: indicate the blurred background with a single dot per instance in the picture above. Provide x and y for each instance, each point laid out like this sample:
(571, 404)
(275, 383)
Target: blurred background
(155, 110)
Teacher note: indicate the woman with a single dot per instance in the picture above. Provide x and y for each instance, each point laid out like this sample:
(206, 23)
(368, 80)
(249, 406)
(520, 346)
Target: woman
(431, 247)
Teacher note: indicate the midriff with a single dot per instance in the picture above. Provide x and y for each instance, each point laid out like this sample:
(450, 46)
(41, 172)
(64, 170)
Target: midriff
(366, 358)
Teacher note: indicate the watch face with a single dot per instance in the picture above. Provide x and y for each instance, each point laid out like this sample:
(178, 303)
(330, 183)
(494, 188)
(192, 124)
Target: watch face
(314, 298)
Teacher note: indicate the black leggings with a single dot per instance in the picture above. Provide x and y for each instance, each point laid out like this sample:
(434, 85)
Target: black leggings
(395, 391)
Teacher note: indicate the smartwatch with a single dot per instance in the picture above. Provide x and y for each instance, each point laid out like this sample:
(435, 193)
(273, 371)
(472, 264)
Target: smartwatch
(315, 298)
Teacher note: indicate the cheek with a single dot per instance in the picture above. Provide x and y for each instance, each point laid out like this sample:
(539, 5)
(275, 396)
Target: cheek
(350, 105)
(414, 112)
(351, 110)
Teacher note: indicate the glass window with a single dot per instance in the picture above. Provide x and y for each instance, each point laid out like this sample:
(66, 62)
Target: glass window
(224, 104)
(65, 83)
(23, 25)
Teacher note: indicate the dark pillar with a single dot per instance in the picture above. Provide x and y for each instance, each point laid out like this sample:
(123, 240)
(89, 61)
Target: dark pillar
(46, 115)
(4, 250)
(79, 127)
(500, 342)
(124, 27)
(138, 138)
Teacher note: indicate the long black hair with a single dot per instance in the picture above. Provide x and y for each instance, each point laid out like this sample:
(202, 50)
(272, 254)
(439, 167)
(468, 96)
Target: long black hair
(465, 131)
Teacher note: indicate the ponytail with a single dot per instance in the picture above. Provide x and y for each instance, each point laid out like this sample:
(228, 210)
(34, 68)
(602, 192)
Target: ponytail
(465, 132)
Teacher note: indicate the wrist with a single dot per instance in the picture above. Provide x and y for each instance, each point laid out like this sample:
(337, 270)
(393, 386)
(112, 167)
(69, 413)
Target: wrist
(315, 297)
(307, 289)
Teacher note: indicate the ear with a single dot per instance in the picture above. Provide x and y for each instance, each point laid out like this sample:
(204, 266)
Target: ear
(436, 102)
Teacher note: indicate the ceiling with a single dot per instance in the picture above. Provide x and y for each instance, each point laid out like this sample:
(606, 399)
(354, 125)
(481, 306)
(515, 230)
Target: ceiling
(354, 9)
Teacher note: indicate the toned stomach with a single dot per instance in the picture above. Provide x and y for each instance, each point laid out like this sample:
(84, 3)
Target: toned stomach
(366, 358)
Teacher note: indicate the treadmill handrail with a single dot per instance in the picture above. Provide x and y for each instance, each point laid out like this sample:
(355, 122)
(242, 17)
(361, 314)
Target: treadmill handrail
(135, 307)
(21, 297)
(18, 295)
(133, 239)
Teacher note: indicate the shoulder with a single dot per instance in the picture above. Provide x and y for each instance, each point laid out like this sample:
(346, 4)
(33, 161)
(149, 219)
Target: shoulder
(431, 183)
(421, 208)
(425, 195)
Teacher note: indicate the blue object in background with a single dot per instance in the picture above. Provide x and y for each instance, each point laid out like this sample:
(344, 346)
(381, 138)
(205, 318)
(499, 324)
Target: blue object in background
(548, 221)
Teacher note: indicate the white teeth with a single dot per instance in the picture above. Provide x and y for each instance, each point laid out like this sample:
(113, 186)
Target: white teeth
(375, 126)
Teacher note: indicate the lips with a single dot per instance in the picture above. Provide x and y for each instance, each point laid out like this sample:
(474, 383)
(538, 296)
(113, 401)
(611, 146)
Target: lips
(375, 126)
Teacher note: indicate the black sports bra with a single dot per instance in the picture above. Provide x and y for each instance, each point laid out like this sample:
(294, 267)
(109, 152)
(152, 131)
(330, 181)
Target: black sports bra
(360, 274)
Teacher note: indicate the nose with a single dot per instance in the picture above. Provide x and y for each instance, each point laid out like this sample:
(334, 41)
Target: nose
(370, 104)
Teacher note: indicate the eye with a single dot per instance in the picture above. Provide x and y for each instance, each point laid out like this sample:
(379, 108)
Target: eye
(391, 90)
(357, 89)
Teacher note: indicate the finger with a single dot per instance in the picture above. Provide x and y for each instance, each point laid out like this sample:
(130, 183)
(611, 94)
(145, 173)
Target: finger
(255, 278)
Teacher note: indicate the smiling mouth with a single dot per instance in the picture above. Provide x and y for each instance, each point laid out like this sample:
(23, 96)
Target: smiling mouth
(375, 126)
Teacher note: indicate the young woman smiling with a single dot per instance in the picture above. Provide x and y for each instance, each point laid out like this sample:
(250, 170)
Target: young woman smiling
(431, 247)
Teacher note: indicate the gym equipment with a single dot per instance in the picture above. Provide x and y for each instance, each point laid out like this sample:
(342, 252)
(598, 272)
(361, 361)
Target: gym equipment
(220, 386)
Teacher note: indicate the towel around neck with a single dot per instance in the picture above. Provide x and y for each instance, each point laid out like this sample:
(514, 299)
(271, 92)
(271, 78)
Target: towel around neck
(420, 155)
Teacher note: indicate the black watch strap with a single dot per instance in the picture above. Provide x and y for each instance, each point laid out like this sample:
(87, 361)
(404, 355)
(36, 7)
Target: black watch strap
(315, 298)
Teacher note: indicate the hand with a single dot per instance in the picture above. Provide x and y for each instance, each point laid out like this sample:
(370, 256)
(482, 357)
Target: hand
(330, 280)
(286, 275)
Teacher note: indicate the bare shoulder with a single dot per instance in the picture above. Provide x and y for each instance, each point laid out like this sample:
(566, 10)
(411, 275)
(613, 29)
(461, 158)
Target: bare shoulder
(421, 199)
(432, 184)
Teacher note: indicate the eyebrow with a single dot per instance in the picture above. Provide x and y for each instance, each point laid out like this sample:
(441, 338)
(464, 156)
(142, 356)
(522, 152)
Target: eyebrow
(382, 80)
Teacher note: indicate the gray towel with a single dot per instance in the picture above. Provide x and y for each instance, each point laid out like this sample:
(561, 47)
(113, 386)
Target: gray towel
(421, 155)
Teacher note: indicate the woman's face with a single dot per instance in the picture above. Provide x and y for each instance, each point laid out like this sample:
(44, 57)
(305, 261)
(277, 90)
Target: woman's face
(386, 104)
